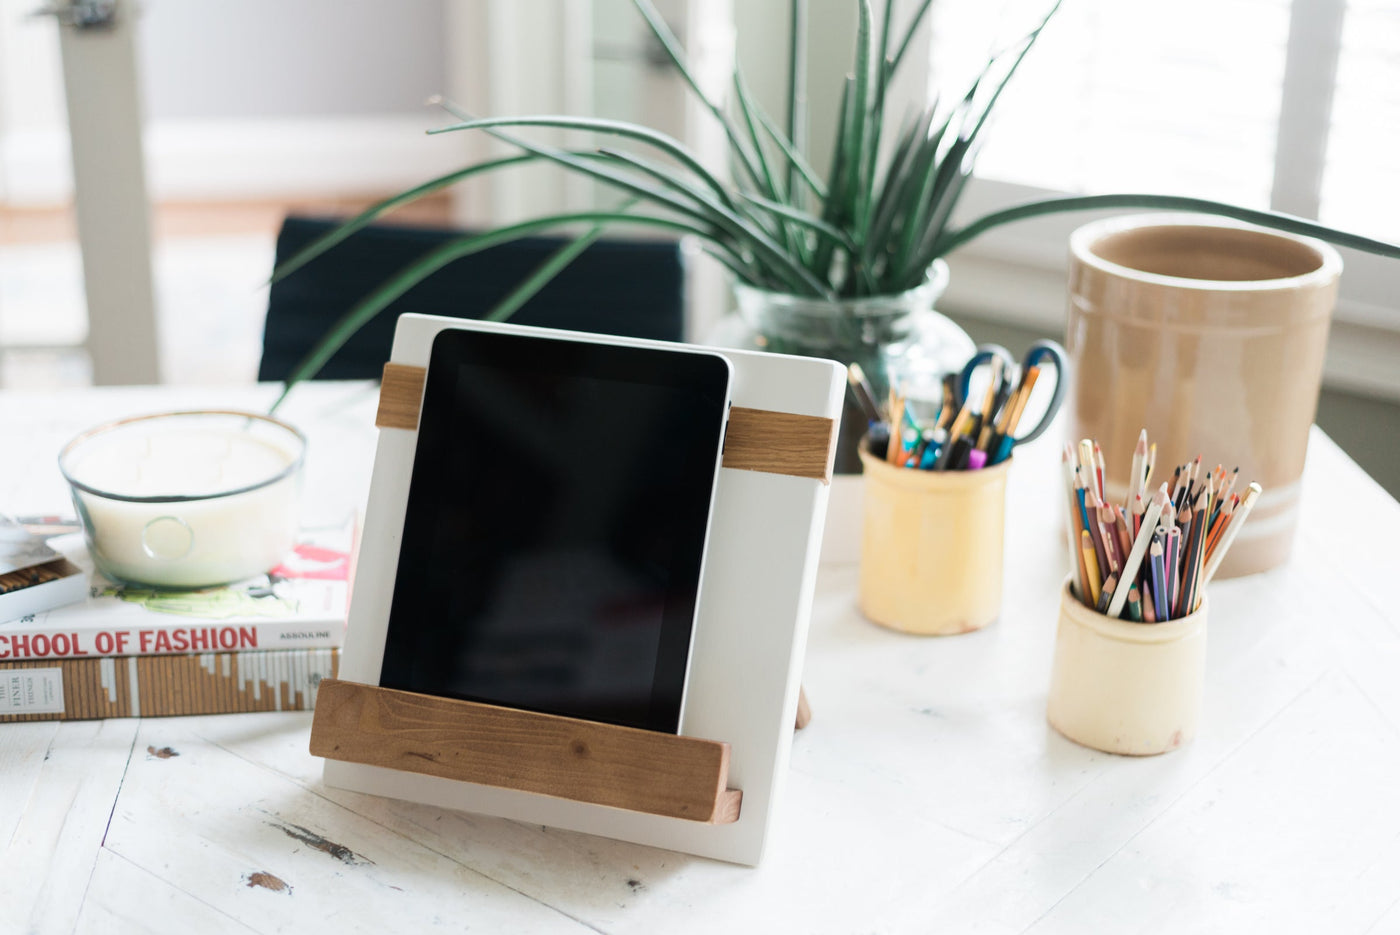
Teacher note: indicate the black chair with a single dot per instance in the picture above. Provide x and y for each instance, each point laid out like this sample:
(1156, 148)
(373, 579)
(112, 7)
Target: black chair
(628, 288)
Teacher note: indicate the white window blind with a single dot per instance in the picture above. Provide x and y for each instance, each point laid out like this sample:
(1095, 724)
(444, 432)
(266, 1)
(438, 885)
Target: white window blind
(1186, 98)
(1180, 98)
(1361, 179)
(1287, 104)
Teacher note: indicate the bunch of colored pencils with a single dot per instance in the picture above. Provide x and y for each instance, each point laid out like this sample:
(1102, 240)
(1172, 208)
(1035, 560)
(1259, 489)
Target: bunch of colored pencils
(979, 433)
(1153, 556)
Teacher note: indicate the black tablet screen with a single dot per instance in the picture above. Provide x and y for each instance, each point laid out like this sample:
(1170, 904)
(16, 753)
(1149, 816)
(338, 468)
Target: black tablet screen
(556, 524)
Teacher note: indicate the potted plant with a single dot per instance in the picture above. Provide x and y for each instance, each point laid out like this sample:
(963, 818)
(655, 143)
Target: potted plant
(846, 267)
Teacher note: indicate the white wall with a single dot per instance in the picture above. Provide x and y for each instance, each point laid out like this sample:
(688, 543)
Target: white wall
(203, 59)
(245, 99)
(762, 40)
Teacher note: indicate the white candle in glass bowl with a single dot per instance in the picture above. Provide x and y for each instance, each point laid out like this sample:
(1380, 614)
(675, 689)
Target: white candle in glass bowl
(187, 499)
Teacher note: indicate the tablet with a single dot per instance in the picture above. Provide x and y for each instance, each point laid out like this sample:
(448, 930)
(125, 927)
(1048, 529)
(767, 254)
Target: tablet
(556, 524)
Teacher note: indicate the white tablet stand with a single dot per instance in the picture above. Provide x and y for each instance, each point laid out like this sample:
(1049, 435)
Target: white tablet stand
(709, 790)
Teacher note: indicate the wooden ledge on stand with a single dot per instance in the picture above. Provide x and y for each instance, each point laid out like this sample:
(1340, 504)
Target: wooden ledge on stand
(604, 764)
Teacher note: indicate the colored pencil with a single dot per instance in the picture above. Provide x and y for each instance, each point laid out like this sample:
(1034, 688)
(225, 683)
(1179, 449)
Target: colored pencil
(1072, 521)
(1173, 569)
(1096, 534)
(1158, 577)
(1091, 565)
(1107, 593)
(1123, 531)
(896, 414)
(1144, 539)
(1134, 604)
(1135, 478)
(1086, 461)
(1098, 468)
(1241, 512)
(1150, 559)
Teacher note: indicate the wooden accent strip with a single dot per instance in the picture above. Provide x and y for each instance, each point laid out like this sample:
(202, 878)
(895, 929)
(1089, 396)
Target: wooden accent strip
(757, 439)
(804, 710)
(400, 397)
(639, 770)
(780, 443)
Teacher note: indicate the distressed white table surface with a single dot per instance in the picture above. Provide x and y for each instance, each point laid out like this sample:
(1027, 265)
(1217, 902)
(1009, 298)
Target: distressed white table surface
(929, 794)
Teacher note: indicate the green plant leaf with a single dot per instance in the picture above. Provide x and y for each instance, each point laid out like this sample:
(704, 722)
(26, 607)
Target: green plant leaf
(670, 145)
(934, 210)
(423, 267)
(907, 167)
(796, 131)
(836, 205)
(803, 219)
(909, 31)
(551, 267)
(746, 110)
(933, 164)
(883, 72)
(791, 239)
(657, 24)
(737, 267)
(323, 243)
(1024, 45)
(760, 241)
(736, 221)
(799, 278)
(1286, 223)
(886, 22)
(936, 202)
(792, 154)
(865, 140)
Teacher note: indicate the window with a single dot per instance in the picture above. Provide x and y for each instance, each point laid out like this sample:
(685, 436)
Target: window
(1361, 181)
(1262, 103)
(1123, 96)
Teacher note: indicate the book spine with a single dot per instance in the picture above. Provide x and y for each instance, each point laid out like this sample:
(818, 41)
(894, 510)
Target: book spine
(157, 686)
(20, 640)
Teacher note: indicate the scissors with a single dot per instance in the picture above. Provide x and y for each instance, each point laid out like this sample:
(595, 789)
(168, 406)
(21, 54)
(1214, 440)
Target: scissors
(1039, 354)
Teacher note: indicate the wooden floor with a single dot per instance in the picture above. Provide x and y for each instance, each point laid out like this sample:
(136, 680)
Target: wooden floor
(177, 219)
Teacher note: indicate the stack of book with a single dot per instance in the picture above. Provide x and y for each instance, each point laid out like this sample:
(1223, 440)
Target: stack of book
(124, 651)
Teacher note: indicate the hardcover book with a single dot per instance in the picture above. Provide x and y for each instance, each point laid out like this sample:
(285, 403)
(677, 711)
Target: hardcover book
(33, 577)
(154, 686)
(300, 604)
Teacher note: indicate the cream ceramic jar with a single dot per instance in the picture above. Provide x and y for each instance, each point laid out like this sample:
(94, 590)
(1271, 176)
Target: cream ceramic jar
(1125, 687)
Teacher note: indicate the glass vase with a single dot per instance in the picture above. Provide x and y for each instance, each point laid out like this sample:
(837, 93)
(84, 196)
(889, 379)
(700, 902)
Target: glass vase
(893, 337)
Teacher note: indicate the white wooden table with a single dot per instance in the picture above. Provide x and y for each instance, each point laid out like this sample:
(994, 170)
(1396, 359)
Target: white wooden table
(928, 795)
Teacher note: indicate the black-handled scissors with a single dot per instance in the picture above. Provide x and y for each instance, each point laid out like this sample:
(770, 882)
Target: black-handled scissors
(1039, 355)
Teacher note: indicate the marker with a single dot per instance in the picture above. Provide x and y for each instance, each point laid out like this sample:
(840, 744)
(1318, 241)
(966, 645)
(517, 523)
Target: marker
(933, 444)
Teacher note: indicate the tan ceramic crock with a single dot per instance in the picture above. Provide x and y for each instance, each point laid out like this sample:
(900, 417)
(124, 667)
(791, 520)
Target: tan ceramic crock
(1211, 336)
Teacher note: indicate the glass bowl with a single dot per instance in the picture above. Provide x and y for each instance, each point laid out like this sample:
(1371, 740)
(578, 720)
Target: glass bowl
(186, 499)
